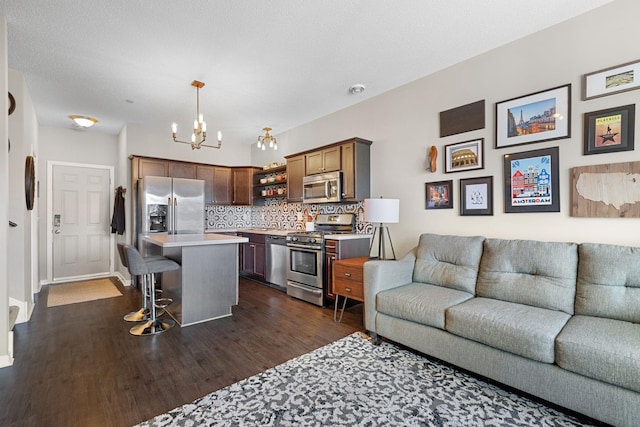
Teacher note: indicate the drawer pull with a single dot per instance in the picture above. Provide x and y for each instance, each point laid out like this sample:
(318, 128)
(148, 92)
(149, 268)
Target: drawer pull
(348, 289)
(347, 274)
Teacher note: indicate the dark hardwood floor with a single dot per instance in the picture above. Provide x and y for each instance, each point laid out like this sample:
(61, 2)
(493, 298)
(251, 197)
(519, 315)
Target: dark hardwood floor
(77, 365)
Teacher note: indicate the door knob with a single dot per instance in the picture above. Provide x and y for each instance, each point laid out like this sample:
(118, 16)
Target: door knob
(56, 231)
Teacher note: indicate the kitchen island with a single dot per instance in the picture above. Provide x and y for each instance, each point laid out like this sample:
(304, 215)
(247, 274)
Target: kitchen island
(206, 287)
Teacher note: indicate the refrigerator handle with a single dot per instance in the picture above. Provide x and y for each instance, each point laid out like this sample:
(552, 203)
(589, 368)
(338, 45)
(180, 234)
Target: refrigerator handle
(175, 213)
(170, 214)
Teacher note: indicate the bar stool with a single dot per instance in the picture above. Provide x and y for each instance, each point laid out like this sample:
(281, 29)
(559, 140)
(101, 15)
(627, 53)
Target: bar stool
(139, 267)
(143, 313)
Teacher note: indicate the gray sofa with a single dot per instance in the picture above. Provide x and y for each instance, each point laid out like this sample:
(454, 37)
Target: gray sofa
(560, 321)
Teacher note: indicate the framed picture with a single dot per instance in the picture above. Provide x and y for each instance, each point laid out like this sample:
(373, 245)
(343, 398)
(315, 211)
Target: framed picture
(531, 181)
(476, 196)
(608, 131)
(464, 156)
(540, 116)
(620, 78)
(439, 195)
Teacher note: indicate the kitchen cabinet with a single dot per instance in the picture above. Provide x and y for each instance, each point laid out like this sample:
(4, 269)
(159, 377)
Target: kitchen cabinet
(295, 174)
(270, 183)
(356, 170)
(223, 185)
(182, 170)
(352, 157)
(218, 184)
(149, 167)
(243, 185)
(337, 249)
(322, 161)
(253, 255)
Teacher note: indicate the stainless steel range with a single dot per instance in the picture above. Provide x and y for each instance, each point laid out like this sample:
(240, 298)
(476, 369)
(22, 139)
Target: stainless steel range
(305, 256)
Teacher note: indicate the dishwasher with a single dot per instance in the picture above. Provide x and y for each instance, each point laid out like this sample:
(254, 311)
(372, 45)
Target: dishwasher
(276, 259)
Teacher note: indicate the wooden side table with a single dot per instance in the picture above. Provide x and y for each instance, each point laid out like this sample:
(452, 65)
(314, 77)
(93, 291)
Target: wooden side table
(348, 281)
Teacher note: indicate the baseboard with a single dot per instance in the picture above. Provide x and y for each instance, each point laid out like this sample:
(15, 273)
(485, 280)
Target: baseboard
(24, 314)
(122, 279)
(7, 359)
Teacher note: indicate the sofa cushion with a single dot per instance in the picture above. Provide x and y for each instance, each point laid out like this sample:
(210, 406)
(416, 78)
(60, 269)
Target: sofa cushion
(517, 328)
(604, 349)
(609, 282)
(540, 274)
(420, 303)
(449, 261)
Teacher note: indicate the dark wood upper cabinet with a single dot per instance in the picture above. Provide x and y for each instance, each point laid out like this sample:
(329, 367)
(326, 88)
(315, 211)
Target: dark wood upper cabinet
(295, 174)
(150, 167)
(223, 185)
(243, 186)
(182, 170)
(356, 170)
(205, 173)
(321, 161)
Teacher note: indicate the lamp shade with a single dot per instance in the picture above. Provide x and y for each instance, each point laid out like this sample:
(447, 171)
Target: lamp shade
(382, 210)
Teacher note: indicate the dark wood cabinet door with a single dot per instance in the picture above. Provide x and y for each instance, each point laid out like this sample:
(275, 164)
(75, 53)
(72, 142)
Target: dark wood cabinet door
(295, 174)
(331, 159)
(314, 163)
(206, 173)
(248, 256)
(259, 259)
(348, 171)
(242, 186)
(152, 167)
(223, 185)
(182, 170)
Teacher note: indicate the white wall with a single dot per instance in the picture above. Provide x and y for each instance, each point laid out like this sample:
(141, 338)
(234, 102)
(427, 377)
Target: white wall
(404, 123)
(71, 146)
(23, 133)
(6, 338)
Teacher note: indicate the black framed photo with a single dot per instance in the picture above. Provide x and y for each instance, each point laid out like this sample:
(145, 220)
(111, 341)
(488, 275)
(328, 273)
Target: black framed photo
(439, 195)
(464, 156)
(476, 196)
(610, 130)
(537, 117)
(531, 181)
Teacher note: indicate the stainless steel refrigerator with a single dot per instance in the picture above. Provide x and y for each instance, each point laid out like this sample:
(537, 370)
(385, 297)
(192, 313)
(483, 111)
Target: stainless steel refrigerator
(170, 206)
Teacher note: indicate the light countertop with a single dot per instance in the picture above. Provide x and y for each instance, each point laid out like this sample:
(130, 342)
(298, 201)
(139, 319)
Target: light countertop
(180, 240)
(277, 232)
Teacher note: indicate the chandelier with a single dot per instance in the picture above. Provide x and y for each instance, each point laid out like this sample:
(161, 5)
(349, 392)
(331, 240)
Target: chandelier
(199, 135)
(267, 139)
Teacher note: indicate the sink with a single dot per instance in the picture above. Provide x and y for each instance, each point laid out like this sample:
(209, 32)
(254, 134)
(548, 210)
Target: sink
(260, 229)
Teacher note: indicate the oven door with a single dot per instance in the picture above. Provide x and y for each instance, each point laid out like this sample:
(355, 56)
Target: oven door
(304, 265)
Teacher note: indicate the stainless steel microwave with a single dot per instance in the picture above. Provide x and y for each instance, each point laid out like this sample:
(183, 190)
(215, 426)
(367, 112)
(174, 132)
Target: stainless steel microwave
(322, 188)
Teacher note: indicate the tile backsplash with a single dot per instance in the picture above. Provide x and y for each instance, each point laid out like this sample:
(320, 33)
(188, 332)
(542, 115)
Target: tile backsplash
(277, 213)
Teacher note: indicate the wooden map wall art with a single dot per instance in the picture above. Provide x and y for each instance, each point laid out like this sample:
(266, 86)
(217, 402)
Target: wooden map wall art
(606, 191)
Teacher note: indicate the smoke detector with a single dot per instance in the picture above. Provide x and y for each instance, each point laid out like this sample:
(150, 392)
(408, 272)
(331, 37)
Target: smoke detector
(356, 89)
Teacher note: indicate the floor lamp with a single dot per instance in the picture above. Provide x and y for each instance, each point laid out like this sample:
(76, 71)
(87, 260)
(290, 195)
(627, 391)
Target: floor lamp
(382, 211)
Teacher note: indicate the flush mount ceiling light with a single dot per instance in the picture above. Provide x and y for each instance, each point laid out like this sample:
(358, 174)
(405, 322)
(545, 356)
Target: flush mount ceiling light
(356, 89)
(267, 139)
(199, 135)
(83, 121)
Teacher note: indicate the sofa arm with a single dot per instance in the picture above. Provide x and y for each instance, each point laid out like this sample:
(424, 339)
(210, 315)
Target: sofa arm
(383, 275)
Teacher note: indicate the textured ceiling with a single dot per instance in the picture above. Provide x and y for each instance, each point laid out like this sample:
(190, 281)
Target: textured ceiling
(276, 63)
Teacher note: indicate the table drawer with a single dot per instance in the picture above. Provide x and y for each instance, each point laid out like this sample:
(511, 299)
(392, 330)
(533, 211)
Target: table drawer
(341, 271)
(348, 289)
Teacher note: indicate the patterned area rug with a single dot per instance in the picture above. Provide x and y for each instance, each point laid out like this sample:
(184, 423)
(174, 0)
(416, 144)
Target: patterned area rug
(353, 383)
(71, 293)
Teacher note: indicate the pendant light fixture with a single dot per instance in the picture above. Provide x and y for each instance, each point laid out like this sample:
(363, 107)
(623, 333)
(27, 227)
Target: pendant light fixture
(199, 135)
(267, 139)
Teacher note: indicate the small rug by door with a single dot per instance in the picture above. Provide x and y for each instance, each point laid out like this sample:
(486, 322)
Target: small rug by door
(353, 383)
(89, 290)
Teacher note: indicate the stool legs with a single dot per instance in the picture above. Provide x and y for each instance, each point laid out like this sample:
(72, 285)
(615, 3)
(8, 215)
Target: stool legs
(154, 325)
(144, 313)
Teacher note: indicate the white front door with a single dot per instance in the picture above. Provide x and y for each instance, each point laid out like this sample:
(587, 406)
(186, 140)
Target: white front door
(80, 221)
